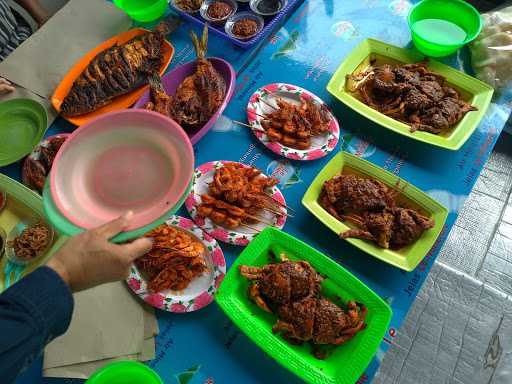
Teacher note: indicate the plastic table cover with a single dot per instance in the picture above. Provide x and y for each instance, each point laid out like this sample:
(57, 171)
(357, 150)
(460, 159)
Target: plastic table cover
(205, 347)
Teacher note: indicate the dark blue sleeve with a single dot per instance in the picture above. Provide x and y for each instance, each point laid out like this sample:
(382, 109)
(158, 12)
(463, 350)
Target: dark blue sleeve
(33, 312)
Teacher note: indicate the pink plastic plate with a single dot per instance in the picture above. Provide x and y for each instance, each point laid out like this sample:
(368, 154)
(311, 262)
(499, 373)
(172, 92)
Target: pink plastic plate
(321, 145)
(203, 176)
(199, 292)
(173, 79)
(125, 160)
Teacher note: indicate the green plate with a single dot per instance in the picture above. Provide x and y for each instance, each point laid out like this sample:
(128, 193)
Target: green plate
(406, 258)
(22, 205)
(473, 91)
(23, 123)
(65, 226)
(348, 361)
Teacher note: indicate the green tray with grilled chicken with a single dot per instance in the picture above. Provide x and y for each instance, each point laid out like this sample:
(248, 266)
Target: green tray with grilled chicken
(347, 361)
(406, 258)
(472, 91)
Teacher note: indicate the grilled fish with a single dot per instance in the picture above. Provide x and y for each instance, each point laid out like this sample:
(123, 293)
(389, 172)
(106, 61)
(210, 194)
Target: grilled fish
(116, 71)
(198, 96)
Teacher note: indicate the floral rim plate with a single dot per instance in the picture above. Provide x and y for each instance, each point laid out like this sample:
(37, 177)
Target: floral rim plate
(203, 175)
(200, 291)
(320, 145)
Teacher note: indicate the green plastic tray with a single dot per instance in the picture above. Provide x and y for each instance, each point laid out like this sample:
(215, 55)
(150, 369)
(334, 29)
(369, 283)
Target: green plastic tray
(406, 258)
(68, 228)
(22, 204)
(472, 91)
(348, 361)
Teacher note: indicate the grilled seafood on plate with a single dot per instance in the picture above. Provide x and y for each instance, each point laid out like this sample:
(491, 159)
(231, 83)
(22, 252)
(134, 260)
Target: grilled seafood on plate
(38, 164)
(372, 207)
(294, 125)
(176, 259)
(277, 284)
(291, 290)
(116, 71)
(197, 98)
(237, 195)
(411, 94)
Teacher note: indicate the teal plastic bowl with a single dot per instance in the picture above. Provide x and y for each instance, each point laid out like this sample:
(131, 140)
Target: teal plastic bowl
(125, 372)
(143, 10)
(441, 27)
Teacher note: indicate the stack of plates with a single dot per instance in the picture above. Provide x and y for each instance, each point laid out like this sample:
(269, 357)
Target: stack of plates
(125, 160)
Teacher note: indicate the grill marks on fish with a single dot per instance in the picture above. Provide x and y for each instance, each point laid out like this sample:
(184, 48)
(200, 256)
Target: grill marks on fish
(114, 72)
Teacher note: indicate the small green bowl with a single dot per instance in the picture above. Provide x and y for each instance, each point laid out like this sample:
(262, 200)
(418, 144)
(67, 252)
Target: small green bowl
(432, 36)
(143, 10)
(125, 372)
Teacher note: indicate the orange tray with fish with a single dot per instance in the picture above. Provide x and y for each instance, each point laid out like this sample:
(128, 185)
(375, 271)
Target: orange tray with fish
(117, 99)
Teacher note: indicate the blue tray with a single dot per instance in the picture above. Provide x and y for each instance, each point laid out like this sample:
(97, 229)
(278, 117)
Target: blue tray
(270, 23)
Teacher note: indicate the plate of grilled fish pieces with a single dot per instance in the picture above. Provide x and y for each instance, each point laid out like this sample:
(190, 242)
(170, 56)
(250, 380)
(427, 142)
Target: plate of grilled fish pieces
(375, 210)
(400, 90)
(113, 75)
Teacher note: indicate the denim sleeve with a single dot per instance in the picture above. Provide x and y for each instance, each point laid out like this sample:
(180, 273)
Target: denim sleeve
(33, 312)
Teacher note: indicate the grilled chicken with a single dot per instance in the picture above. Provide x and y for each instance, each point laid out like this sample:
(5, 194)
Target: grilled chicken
(116, 71)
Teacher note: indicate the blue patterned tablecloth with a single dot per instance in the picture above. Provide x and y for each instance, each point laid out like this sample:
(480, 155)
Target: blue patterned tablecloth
(205, 347)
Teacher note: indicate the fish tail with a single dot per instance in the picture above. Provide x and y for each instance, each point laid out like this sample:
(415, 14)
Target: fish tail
(200, 46)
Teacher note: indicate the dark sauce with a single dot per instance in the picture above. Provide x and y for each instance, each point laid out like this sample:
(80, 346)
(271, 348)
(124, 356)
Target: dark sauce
(269, 6)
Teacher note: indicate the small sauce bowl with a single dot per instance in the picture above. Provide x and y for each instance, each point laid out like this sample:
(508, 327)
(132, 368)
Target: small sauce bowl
(217, 21)
(267, 7)
(175, 4)
(16, 231)
(241, 16)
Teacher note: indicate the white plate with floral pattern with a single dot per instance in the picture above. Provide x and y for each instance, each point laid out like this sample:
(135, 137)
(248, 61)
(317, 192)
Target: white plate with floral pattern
(321, 145)
(199, 292)
(203, 176)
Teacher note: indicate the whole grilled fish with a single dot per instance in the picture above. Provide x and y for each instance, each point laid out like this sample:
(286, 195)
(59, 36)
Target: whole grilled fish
(116, 71)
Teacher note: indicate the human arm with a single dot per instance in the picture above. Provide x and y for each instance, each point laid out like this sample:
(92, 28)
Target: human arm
(38, 308)
(36, 10)
(32, 312)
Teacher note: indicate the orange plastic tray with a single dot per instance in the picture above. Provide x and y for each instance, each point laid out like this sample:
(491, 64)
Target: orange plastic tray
(120, 102)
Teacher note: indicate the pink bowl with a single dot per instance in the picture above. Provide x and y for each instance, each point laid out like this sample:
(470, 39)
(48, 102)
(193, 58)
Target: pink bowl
(125, 160)
(173, 79)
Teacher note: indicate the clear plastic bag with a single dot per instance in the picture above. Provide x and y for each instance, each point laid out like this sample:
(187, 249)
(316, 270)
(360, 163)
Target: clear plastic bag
(491, 52)
(491, 55)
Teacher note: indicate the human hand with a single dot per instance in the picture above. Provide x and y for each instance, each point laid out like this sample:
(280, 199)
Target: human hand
(89, 259)
(5, 86)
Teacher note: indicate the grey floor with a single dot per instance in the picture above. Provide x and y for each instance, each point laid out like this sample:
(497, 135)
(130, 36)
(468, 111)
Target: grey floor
(459, 329)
